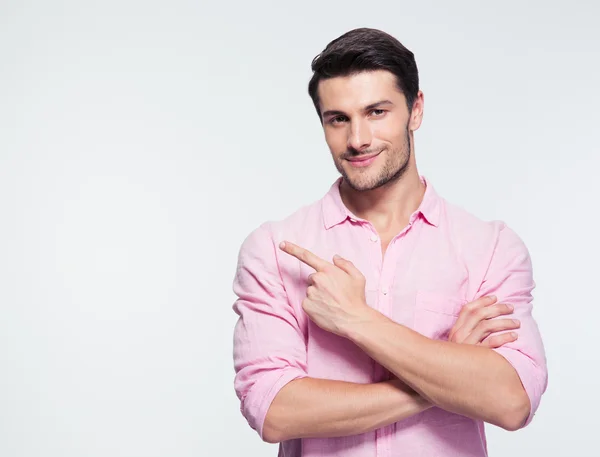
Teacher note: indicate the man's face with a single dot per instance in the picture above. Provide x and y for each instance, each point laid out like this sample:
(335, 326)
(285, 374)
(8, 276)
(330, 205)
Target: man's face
(365, 117)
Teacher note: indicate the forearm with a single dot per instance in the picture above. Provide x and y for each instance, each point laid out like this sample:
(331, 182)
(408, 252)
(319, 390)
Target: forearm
(321, 408)
(470, 380)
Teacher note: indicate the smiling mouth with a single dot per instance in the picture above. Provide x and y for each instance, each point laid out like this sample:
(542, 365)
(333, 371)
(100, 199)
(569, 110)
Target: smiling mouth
(363, 157)
(363, 161)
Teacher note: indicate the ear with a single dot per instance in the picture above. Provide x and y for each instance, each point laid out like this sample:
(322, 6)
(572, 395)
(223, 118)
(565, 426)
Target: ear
(416, 116)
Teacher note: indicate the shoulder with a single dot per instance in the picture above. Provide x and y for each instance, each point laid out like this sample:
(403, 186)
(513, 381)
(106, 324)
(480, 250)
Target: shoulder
(303, 221)
(474, 234)
(293, 226)
(483, 245)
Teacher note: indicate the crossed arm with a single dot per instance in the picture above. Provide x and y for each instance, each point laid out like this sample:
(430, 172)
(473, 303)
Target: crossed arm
(322, 408)
(499, 384)
(470, 380)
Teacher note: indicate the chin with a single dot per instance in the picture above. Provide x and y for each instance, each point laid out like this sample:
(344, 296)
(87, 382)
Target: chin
(361, 181)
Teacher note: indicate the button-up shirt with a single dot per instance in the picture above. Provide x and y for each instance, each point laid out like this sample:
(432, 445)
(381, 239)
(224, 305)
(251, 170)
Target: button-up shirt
(443, 259)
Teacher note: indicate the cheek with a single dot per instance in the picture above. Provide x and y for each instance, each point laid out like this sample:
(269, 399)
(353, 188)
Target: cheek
(381, 138)
(393, 130)
(336, 141)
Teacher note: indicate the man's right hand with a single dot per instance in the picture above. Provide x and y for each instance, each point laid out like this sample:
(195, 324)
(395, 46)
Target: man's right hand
(475, 324)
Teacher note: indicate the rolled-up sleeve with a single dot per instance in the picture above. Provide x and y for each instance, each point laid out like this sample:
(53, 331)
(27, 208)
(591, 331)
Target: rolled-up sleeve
(510, 278)
(269, 349)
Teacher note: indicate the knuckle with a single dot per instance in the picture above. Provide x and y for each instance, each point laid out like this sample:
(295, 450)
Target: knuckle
(468, 309)
(497, 339)
(490, 342)
(486, 325)
(503, 324)
(319, 277)
(481, 314)
(493, 310)
(457, 337)
(471, 306)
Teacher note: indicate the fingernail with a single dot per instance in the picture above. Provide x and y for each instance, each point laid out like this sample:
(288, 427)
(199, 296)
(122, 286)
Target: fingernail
(282, 245)
(492, 297)
(513, 334)
(517, 321)
(336, 257)
(511, 307)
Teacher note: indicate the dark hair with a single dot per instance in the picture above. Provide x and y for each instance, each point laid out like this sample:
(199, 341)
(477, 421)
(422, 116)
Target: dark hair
(361, 50)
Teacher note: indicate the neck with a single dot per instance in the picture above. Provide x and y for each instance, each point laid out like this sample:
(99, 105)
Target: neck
(388, 206)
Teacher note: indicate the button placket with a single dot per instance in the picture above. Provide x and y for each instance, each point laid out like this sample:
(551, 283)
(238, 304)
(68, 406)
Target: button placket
(387, 278)
(377, 260)
(382, 435)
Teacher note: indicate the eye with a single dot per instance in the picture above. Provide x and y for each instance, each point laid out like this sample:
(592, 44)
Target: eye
(337, 119)
(378, 112)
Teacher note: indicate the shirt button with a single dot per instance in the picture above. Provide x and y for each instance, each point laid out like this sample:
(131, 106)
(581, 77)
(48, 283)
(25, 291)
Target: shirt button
(374, 237)
(384, 291)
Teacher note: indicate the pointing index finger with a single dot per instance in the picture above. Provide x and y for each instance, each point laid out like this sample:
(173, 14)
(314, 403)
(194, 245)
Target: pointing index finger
(304, 255)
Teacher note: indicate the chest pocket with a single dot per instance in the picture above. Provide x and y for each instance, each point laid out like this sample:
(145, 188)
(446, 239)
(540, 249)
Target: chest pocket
(436, 313)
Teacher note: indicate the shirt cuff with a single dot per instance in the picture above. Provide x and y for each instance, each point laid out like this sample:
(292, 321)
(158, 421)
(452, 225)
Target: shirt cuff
(258, 400)
(530, 374)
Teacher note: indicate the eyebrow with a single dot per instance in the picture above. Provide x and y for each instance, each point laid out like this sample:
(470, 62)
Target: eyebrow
(366, 108)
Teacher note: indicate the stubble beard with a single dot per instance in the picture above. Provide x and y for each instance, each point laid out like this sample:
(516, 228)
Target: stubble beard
(394, 168)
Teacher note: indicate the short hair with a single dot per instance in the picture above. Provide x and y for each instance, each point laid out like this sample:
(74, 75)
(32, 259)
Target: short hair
(366, 49)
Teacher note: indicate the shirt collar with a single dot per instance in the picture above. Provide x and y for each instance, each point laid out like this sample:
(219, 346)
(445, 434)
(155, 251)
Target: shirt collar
(335, 212)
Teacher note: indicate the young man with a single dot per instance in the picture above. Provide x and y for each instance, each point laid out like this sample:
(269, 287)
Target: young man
(382, 320)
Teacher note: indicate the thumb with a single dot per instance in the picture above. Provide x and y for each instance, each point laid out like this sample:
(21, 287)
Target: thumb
(347, 266)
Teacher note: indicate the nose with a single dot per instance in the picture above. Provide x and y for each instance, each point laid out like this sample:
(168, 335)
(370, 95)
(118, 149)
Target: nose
(360, 135)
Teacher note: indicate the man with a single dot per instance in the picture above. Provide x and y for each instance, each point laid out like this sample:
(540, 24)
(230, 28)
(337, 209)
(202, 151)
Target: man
(382, 320)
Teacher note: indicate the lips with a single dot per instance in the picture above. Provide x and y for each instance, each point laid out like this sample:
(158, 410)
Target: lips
(363, 161)
(363, 158)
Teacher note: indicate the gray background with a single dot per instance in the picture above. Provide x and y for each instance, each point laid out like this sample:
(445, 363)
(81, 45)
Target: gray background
(140, 142)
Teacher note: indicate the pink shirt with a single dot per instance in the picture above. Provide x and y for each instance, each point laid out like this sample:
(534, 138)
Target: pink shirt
(442, 260)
